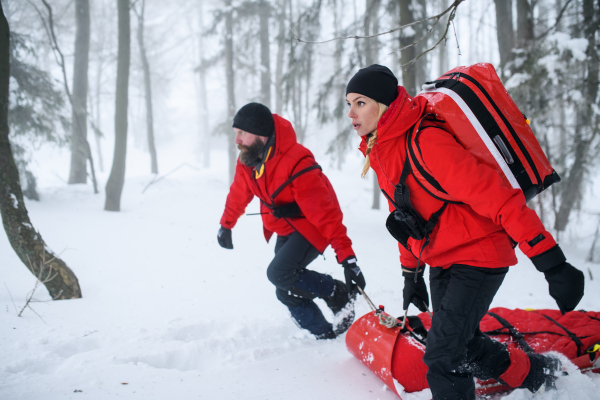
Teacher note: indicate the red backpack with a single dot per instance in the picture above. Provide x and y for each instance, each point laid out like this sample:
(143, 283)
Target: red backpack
(473, 105)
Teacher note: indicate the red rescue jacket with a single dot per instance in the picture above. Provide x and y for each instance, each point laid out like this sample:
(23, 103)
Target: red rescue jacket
(312, 191)
(475, 233)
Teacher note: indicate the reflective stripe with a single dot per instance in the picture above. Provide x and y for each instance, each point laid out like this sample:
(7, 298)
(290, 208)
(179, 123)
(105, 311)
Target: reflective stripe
(481, 132)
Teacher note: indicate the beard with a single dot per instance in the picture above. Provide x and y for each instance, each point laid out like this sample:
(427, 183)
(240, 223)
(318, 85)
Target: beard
(251, 155)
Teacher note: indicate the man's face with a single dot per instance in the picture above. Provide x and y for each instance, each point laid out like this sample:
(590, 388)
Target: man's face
(251, 146)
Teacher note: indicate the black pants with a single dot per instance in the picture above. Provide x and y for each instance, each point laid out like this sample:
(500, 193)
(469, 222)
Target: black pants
(456, 349)
(296, 286)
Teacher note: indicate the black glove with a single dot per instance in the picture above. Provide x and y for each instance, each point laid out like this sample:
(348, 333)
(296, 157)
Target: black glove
(352, 273)
(224, 238)
(565, 282)
(415, 291)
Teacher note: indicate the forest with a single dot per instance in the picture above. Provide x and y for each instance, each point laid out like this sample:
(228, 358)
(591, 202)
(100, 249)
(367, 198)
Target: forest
(104, 98)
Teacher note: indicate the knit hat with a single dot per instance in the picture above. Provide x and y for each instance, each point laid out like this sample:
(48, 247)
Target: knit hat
(255, 118)
(376, 82)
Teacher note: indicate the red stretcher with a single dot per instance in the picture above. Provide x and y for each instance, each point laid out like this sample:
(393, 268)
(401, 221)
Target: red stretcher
(395, 354)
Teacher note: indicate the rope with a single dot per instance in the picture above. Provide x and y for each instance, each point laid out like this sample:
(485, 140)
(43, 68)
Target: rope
(385, 319)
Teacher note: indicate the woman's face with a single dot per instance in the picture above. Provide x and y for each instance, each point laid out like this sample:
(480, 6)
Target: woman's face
(364, 112)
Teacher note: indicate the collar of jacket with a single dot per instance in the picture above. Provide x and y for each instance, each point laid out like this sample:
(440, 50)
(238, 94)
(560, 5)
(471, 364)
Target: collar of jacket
(285, 138)
(403, 113)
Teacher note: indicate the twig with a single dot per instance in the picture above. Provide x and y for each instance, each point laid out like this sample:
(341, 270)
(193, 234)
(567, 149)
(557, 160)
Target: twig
(444, 37)
(157, 179)
(39, 280)
(11, 298)
(558, 18)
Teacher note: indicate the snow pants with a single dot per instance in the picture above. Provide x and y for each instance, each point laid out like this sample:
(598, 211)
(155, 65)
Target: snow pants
(296, 286)
(456, 349)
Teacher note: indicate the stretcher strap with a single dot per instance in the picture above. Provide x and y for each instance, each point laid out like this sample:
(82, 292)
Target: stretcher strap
(589, 316)
(569, 333)
(513, 332)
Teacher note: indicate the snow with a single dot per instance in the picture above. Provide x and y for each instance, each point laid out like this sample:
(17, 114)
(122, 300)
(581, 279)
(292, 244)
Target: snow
(167, 313)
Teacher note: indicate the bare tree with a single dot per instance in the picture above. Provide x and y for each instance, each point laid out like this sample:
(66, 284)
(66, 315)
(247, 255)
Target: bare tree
(78, 172)
(203, 115)
(147, 89)
(229, 72)
(27, 243)
(264, 14)
(116, 180)
(587, 120)
(505, 32)
(371, 46)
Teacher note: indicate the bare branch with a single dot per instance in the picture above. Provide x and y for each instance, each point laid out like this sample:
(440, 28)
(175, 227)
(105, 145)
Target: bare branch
(558, 18)
(450, 21)
(451, 9)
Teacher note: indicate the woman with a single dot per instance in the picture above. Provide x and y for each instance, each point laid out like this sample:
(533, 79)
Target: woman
(470, 247)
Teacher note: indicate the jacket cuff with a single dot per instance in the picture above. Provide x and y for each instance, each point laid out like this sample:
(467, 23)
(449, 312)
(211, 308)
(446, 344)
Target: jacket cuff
(349, 260)
(344, 254)
(549, 259)
(409, 272)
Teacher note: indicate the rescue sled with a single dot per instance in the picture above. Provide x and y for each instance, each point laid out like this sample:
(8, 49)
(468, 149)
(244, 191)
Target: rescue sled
(395, 354)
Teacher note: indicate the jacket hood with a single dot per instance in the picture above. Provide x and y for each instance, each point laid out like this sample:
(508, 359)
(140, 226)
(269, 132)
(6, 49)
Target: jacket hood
(285, 136)
(403, 113)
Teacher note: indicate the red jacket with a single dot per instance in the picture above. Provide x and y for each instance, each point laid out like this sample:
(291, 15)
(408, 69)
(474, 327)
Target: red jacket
(475, 233)
(312, 191)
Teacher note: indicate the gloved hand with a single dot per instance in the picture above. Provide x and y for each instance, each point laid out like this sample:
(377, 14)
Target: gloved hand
(224, 238)
(352, 273)
(415, 291)
(565, 282)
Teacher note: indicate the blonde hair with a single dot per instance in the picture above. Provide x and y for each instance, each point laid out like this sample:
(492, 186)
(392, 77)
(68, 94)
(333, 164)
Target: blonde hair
(371, 142)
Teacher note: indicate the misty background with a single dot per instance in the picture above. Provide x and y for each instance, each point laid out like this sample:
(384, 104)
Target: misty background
(93, 80)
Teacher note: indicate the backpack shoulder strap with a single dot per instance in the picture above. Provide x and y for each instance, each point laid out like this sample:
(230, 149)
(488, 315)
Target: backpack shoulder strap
(424, 178)
(296, 175)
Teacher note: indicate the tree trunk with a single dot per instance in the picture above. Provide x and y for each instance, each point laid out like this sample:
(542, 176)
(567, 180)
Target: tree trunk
(78, 172)
(524, 23)
(116, 180)
(27, 243)
(584, 130)
(505, 33)
(409, 78)
(230, 86)
(371, 57)
(204, 123)
(264, 13)
(280, 56)
(443, 53)
(147, 92)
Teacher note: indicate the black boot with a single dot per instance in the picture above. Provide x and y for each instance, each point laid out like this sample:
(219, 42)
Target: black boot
(342, 304)
(543, 372)
(339, 298)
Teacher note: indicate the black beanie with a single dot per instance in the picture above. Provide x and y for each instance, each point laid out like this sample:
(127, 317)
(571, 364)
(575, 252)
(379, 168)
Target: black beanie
(376, 82)
(256, 119)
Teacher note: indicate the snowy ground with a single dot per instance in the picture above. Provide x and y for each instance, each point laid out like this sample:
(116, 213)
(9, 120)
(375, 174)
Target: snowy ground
(167, 313)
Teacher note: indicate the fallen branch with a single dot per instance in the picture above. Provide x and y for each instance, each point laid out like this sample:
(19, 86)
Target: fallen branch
(156, 178)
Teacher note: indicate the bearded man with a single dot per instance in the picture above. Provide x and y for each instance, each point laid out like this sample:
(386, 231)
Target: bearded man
(299, 204)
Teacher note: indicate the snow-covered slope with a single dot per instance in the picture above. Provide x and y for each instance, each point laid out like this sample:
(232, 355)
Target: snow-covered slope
(166, 313)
